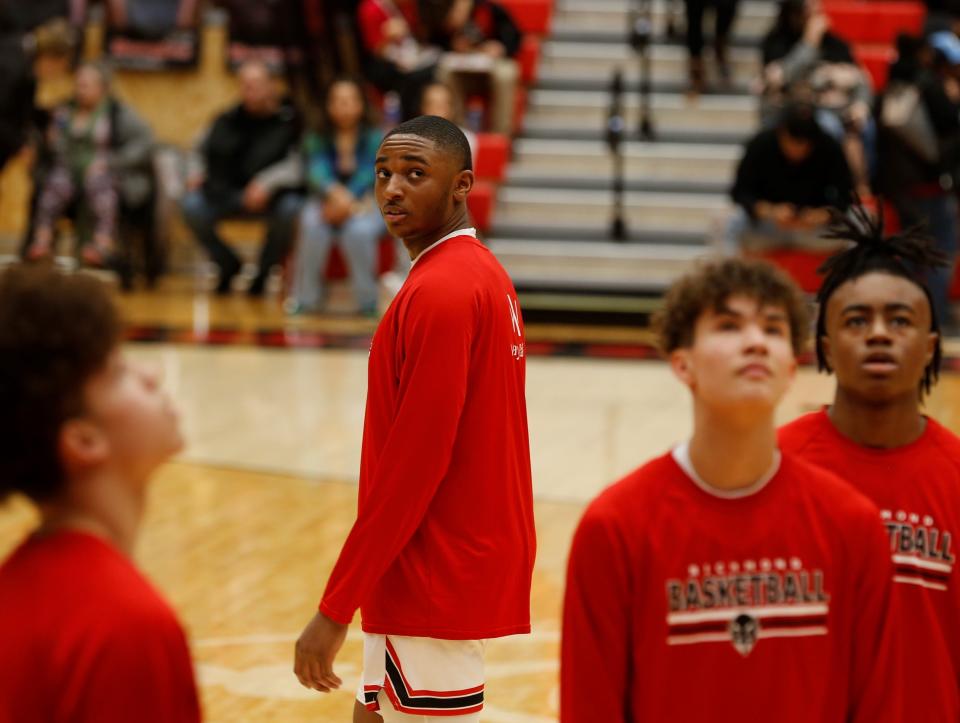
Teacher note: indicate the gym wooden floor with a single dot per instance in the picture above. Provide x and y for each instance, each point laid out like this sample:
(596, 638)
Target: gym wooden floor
(244, 526)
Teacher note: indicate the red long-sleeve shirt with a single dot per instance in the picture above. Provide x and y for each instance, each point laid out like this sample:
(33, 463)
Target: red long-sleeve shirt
(917, 488)
(684, 606)
(84, 638)
(444, 543)
(371, 16)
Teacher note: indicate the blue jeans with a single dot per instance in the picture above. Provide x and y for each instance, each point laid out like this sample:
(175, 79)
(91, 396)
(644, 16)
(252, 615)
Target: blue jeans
(202, 215)
(744, 232)
(359, 238)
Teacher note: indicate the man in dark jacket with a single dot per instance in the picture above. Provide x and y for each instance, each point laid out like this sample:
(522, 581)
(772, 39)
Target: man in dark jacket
(787, 180)
(232, 174)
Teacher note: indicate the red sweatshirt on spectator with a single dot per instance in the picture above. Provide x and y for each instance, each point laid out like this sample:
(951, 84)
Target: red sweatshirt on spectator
(917, 488)
(84, 638)
(444, 543)
(767, 604)
(372, 14)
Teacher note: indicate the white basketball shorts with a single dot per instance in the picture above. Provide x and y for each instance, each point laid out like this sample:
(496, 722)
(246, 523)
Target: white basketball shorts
(410, 679)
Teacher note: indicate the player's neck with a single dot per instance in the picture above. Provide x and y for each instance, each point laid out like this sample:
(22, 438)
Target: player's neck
(416, 245)
(100, 505)
(730, 453)
(892, 423)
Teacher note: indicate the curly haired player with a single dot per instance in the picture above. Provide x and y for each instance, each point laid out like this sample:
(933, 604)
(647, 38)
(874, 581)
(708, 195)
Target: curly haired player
(85, 638)
(725, 580)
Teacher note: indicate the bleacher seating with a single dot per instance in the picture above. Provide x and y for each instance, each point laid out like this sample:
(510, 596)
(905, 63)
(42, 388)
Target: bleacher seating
(871, 27)
(533, 17)
(492, 155)
(875, 59)
(874, 21)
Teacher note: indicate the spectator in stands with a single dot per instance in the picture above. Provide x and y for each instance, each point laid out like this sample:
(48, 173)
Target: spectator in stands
(101, 154)
(481, 39)
(396, 59)
(233, 173)
(152, 19)
(788, 178)
(919, 162)
(339, 166)
(438, 99)
(725, 14)
(942, 15)
(803, 60)
(17, 90)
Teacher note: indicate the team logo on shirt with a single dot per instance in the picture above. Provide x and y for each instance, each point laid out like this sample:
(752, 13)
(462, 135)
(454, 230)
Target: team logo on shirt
(922, 552)
(741, 603)
(744, 630)
(517, 349)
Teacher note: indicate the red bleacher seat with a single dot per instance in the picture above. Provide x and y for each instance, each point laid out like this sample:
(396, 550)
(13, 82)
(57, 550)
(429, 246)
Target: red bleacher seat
(861, 21)
(531, 16)
(480, 204)
(519, 109)
(801, 265)
(492, 154)
(528, 58)
(876, 60)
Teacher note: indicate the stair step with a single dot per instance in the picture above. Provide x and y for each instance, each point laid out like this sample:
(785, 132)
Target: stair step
(608, 265)
(753, 20)
(559, 109)
(584, 208)
(587, 160)
(668, 64)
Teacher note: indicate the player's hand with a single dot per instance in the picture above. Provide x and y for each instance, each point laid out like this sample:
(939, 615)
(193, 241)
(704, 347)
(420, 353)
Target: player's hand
(494, 48)
(315, 651)
(255, 197)
(783, 214)
(811, 218)
(195, 180)
(395, 29)
(817, 26)
(337, 206)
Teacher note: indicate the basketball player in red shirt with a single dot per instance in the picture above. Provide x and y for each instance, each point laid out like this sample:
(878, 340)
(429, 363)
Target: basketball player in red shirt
(84, 637)
(441, 554)
(876, 332)
(727, 581)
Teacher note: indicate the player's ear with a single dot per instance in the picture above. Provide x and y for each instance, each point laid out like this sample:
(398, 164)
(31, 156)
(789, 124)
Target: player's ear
(681, 363)
(462, 185)
(933, 338)
(82, 444)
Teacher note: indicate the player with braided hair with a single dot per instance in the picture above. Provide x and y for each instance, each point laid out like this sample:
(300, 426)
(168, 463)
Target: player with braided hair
(878, 334)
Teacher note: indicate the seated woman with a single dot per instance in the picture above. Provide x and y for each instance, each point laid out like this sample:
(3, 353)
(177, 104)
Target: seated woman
(340, 177)
(100, 154)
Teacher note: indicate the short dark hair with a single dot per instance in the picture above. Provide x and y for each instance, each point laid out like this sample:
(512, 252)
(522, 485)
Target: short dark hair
(445, 135)
(907, 255)
(326, 124)
(799, 120)
(56, 332)
(712, 284)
